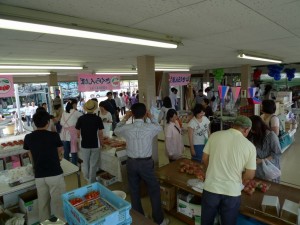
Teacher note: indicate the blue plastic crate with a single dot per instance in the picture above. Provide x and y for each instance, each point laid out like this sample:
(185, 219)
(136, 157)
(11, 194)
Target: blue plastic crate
(119, 217)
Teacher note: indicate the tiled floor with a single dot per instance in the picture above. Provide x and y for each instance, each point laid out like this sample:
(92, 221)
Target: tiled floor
(289, 164)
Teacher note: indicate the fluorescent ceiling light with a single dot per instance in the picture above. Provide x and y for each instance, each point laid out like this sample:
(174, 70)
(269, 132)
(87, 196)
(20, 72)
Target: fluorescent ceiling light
(259, 58)
(35, 73)
(172, 69)
(46, 29)
(41, 67)
(116, 73)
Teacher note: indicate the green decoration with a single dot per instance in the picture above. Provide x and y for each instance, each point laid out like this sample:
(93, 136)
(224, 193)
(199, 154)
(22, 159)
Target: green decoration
(218, 74)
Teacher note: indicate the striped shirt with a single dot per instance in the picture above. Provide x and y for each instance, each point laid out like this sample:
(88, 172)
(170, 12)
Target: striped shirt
(139, 137)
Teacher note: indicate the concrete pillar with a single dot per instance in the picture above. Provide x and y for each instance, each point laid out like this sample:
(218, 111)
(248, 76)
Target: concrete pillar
(245, 81)
(165, 88)
(52, 79)
(206, 76)
(147, 95)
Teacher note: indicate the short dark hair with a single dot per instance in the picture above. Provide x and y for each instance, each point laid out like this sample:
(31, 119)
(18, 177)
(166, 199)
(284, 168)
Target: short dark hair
(104, 105)
(94, 99)
(268, 106)
(167, 102)
(41, 119)
(138, 110)
(40, 109)
(206, 100)
(70, 103)
(170, 114)
(108, 93)
(44, 103)
(174, 89)
(198, 109)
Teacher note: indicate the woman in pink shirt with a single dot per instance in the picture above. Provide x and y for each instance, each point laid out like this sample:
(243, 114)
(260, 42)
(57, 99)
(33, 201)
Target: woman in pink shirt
(173, 138)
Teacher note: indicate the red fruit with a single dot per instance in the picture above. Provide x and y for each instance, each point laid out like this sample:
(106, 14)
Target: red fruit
(76, 201)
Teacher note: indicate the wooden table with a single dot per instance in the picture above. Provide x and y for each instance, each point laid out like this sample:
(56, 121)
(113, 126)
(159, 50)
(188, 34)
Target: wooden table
(250, 205)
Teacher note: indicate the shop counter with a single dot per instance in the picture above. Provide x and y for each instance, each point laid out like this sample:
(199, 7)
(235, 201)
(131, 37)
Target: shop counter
(250, 204)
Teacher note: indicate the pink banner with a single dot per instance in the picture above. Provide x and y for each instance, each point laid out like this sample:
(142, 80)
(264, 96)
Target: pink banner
(92, 82)
(235, 92)
(177, 79)
(6, 86)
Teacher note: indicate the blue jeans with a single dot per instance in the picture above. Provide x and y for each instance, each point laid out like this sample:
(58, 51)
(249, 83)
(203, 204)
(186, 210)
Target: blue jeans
(199, 152)
(67, 150)
(227, 206)
(28, 120)
(144, 169)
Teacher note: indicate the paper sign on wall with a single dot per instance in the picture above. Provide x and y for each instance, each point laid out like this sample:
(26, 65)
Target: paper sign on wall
(177, 79)
(6, 86)
(92, 82)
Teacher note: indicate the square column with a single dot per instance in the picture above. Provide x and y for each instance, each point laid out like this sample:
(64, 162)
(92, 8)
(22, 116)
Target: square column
(147, 90)
(52, 79)
(245, 81)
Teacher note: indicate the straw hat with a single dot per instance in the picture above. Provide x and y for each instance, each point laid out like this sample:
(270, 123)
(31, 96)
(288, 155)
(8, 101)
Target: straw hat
(90, 106)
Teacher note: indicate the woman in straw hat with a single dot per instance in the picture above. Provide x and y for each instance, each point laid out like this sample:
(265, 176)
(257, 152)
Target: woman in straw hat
(90, 127)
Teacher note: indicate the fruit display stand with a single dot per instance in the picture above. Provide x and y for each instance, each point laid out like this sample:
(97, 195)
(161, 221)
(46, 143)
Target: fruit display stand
(251, 204)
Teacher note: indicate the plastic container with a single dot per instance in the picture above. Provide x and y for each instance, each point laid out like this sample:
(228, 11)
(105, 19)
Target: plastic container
(120, 216)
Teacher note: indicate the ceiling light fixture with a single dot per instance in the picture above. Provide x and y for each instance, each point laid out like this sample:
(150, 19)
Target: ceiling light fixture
(173, 69)
(258, 58)
(41, 67)
(35, 73)
(56, 30)
(116, 73)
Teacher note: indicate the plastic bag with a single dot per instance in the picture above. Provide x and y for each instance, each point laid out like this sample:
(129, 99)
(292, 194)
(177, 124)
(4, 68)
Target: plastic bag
(271, 171)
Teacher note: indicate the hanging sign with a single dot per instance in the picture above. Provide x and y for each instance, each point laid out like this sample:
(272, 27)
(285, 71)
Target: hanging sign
(179, 79)
(235, 92)
(92, 82)
(6, 86)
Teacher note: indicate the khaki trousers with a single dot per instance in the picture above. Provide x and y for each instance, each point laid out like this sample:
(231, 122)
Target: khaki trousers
(49, 190)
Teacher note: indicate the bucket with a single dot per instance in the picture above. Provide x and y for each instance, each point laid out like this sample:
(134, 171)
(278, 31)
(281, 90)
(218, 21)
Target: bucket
(121, 194)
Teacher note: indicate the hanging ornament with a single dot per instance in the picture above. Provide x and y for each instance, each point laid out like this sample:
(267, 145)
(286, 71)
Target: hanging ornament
(256, 74)
(290, 73)
(218, 74)
(274, 71)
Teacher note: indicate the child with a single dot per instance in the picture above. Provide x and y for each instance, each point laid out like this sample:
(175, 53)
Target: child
(46, 151)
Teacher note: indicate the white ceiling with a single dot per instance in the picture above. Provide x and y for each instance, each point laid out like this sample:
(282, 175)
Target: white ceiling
(212, 31)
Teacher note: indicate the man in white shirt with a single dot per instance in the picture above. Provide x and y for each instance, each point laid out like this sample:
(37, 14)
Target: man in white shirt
(173, 97)
(226, 155)
(28, 114)
(33, 109)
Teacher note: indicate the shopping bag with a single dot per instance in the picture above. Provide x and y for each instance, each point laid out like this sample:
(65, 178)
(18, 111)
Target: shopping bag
(284, 139)
(271, 171)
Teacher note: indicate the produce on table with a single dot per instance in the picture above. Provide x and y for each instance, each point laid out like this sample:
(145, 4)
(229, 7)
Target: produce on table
(251, 185)
(192, 168)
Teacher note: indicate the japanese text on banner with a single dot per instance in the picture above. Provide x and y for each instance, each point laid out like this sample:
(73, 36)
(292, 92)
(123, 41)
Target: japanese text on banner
(177, 79)
(91, 82)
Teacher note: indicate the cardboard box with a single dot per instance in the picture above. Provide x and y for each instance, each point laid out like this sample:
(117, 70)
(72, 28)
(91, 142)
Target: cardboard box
(183, 205)
(271, 205)
(12, 199)
(107, 179)
(28, 204)
(290, 212)
(168, 196)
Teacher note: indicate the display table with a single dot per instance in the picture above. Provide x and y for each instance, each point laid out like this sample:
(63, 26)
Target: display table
(111, 160)
(67, 167)
(250, 205)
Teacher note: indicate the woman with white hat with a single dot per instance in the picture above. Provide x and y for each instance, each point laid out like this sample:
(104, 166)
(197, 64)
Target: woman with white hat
(90, 127)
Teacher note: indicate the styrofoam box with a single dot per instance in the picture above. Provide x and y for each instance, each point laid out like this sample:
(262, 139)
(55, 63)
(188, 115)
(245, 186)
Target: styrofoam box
(289, 211)
(119, 217)
(271, 205)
